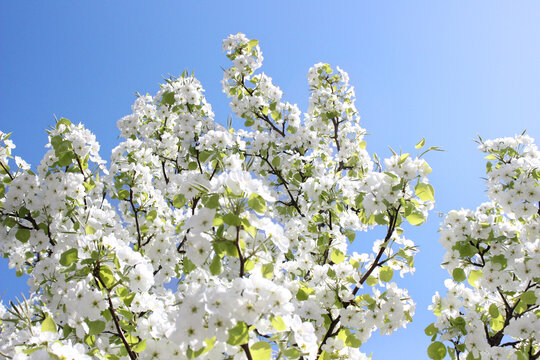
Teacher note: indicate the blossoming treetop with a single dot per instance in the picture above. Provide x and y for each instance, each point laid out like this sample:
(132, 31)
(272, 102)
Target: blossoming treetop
(200, 241)
(496, 248)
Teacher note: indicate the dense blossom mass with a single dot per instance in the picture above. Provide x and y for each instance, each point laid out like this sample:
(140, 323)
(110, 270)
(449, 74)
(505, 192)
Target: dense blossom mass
(496, 248)
(200, 241)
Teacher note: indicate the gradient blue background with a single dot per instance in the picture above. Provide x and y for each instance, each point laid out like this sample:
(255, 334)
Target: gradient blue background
(444, 70)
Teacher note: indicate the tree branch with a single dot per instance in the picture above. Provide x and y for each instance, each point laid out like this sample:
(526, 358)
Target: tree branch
(132, 355)
(135, 211)
(240, 256)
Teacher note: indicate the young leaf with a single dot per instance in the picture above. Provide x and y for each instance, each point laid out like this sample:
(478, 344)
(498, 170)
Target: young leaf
(261, 351)
(425, 192)
(95, 327)
(239, 334)
(459, 275)
(337, 256)
(22, 235)
(386, 274)
(215, 266)
(257, 203)
(48, 325)
(278, 323)
(436, 351)
(69, 257)
(415, 218)
(474, 275)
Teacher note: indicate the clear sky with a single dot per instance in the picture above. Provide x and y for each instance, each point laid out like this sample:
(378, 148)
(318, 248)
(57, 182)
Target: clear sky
(444, 70)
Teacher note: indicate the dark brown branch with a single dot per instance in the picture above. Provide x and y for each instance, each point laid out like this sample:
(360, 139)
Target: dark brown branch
(135, 211)
(259, 114)
(285, 184)
(328, 335)
(389, 233)
(240, 256)
(267, 120)
(164, 172)
(132, 355)
(245, 347)
(376, 262)
(6, 170)
(496, 338)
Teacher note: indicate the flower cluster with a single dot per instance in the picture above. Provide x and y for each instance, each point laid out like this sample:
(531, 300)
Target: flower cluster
(200, 241)
(496, 248)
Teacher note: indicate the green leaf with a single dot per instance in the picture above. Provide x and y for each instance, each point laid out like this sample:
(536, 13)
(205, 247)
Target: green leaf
(431, 330)
(232, 219)
(89, 230)
(459, 275)
(106, 275)
(212, 201)
(327, 68)
(292, 353)
(69, 257)
(151, 216)
(261, 351)
(350, 234)
(386, 274)
(276, 161)
(402, 158)
(501, 260)
(426, 168)
(371, 281)
(436, 351)
(304, 292)
(415, 218)
(225, 247)
(381, 219)
(204, 155)
(63, 121)
(189, 266)
(22, 235)
(65, 159)
(276, 115)
(252, 43)
(123, 194)
(460, 323)
(278, 323)
(239, 334)
(139, 347)
(215, 266)
(493, 311)
(95, 327)
(179, 201)
(267, 270)
(337, 256)
(193, 166)
(257, 203)
(167, 98)
(48, 325)
(528, 297)
(420, 144)
(424, 192)
(465, 249)
(474, 275)
(353, 341)
(497, 323)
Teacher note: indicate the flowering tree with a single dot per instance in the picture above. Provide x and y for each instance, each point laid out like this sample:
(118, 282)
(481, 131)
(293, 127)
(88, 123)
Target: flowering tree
(497, 250)
(211, 243)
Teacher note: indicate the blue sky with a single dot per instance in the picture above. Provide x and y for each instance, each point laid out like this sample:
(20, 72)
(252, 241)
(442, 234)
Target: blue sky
(446, 71)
